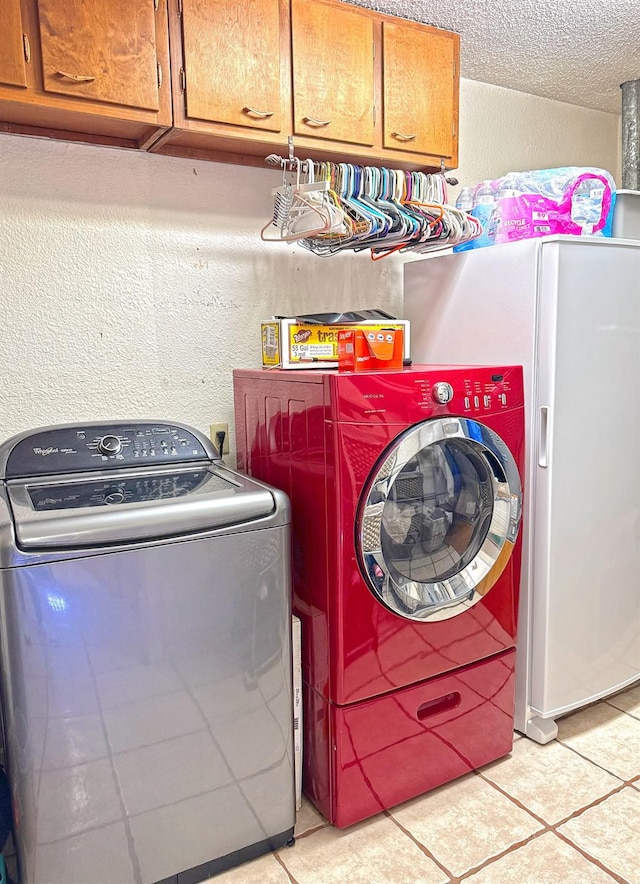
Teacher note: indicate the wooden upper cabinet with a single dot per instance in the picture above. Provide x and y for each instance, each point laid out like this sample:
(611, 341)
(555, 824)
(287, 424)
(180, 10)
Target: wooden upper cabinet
(12, 47)
(420, 89)
(231, 79)
(103, 50)
(333, 81)
(233, 62)
(86, 70)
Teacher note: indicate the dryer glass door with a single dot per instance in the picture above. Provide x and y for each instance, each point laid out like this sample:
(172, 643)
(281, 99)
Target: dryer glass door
(438, 518)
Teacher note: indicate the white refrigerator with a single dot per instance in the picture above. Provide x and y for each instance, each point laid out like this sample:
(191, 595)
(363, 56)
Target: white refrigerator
(568, 310)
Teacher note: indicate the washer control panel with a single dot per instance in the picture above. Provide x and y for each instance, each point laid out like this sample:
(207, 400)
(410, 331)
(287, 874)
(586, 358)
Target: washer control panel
(77, 448)
(110, 445)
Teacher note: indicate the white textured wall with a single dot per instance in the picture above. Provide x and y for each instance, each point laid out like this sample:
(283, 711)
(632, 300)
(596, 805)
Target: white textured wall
(131, 284)
(506, 131)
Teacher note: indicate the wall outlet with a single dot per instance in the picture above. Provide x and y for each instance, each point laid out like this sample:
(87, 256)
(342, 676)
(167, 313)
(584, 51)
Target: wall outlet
(215, 428)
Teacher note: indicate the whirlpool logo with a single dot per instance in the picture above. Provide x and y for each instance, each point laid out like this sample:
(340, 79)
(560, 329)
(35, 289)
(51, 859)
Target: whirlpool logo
(45, 451)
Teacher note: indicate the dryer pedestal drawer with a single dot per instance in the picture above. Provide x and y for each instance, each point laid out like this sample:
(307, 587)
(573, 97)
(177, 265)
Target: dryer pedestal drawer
(394, 747)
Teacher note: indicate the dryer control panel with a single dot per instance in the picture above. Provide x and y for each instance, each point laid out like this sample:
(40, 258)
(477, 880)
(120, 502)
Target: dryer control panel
(487, 393)
(88, 447)
(424, 391)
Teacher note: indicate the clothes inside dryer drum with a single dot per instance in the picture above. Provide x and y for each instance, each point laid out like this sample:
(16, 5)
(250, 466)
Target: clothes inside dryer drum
(435, 516)
(438, 512)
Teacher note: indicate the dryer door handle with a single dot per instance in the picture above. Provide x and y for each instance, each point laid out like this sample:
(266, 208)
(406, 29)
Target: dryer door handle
(543, 439)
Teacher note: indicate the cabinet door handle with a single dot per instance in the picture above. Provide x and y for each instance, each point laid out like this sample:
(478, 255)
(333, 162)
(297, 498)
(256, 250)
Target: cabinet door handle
(26, 44)
(77, 78)
(311, 122)
(257, 113)
(402, 137)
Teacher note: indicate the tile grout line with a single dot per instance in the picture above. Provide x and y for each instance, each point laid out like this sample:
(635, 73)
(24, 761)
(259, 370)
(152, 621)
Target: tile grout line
(282, 863)
(573, 815)
(511, 798)
(553, 827)
(592, 859)
(425, 850)
(546, 827)
(311, 831)
(577, 813)
(634, 715)
(590, 760)
(498, 856)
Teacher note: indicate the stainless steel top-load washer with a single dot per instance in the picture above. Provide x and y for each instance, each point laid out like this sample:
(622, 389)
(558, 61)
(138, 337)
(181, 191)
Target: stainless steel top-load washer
(146, 656)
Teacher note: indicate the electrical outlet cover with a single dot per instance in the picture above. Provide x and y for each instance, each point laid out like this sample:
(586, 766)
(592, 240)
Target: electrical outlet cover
(216, 428)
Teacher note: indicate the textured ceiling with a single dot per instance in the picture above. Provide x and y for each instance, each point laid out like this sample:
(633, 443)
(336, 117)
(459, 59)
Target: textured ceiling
(578, 51)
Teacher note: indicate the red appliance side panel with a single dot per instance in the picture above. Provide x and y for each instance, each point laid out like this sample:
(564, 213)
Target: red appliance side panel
(280, 438)
(317, 752)
(392, 748)
(376, 650)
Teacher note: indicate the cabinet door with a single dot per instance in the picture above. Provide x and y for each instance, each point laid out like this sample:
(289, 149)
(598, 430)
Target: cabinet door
(333, 94)
(12, 70)
(420, 89)
(103, 50)
(232, 59)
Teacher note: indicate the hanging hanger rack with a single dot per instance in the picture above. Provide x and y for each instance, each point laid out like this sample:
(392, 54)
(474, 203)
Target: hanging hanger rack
(327, 207)
(289, 163)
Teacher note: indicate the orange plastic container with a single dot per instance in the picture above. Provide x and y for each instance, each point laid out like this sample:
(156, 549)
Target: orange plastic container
(370, 350)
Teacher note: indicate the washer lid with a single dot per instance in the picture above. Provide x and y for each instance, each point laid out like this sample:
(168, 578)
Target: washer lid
(438, 518)
(80, 511)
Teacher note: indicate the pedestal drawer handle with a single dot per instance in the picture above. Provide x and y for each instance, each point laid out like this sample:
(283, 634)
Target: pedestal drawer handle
(257, 113)
(77, 78)
(311, 122)
(401, 137)
(440, 704)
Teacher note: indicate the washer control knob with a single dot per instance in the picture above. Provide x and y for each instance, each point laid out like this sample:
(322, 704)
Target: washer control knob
(114, 497)
(109, 445)
(442, 392)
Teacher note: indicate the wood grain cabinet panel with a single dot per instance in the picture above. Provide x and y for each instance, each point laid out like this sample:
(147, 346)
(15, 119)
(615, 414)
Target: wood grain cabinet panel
(420, 89)
(333, 88)
(229, 81)
(104, 51)
(350, 84)
(12, 46)
(232, 62)
(92, 70)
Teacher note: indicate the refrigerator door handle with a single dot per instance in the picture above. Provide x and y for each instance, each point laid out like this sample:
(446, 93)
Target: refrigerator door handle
(543, 440)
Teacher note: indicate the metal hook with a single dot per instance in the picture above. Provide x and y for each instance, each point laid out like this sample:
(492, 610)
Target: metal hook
(288, 164)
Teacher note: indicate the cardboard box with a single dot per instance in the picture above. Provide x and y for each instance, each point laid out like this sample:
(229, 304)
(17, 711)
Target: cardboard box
(370, 350)
(296, 641)
(288, 343)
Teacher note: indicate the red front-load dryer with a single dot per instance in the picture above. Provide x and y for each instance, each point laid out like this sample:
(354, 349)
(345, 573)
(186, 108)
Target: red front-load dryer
(406, 501)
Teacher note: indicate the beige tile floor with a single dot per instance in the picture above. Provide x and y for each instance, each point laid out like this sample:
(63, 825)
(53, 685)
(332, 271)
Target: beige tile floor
(564, 813)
